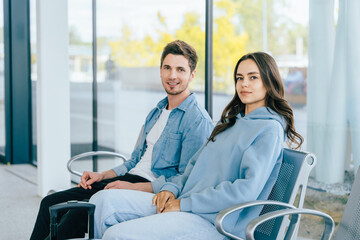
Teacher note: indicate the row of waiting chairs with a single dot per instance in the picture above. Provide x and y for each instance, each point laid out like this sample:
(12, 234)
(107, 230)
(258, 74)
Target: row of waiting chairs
(286, 199)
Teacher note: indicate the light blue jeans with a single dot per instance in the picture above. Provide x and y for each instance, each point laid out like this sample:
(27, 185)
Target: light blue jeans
(128, 214)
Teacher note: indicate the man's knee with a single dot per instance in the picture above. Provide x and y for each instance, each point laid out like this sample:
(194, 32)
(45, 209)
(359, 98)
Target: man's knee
(46, 202)
(51, 200)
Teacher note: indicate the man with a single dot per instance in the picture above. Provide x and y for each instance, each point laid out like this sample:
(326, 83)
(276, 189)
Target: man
(173, 132)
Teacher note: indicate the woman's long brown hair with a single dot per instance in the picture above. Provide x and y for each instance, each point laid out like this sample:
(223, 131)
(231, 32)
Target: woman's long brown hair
(274, 98)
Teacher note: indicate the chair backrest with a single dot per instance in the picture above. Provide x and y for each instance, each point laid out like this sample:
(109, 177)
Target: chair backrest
(349, 227)
(290, 186)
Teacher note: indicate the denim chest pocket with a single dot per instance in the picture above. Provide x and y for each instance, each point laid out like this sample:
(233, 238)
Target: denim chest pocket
(171, 151)
(175, 136)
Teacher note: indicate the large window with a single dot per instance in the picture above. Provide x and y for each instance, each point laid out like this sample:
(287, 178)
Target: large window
(2, 83)
(130, 38)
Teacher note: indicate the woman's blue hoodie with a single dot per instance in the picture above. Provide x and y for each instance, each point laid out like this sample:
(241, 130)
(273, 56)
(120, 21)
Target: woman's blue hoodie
(241, 165)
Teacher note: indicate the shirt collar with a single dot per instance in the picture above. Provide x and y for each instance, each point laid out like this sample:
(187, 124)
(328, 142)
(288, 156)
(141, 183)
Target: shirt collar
(183, 106)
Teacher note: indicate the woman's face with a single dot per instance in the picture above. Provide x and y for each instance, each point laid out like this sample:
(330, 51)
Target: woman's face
(249, 85)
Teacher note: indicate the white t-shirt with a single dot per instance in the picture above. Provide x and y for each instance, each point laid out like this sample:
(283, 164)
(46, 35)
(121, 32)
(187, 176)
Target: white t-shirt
(143, 167)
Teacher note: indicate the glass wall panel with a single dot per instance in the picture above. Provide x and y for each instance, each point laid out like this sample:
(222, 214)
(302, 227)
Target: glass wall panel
(2, 82)
(80, 60)
(131, 36)
(81, 81)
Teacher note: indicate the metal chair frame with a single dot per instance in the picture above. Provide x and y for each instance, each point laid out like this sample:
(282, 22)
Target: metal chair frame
(290, 187)
(349, 228)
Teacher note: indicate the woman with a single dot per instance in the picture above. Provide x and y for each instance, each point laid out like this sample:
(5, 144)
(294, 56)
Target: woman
(239, 163)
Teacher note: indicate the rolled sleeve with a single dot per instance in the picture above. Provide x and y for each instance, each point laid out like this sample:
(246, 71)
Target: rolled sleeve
(120, 170)
(171, 188)
(185, 205)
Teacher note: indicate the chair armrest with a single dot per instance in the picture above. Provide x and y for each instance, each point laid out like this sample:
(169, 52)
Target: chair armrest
(89, 154)
(329, 222)
(222, 214)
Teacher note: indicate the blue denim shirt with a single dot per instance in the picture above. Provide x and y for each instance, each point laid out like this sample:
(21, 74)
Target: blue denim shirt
(187, 129)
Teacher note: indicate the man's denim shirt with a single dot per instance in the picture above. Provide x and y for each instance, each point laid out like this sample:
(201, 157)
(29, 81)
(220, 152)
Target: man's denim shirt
(187, 129)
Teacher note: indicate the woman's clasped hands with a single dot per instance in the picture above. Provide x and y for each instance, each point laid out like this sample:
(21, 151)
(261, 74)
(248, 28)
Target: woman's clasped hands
(165, 201)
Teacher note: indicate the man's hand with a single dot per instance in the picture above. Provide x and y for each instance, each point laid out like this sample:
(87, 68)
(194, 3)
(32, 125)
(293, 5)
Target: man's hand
(120, 185)
(88, 178)
(172, 206)
(161, 199)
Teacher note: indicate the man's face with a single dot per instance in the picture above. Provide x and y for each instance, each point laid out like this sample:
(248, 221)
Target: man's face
(176, 74)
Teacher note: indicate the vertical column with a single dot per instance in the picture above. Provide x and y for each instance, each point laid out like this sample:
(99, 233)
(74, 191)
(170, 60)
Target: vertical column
(321, 45)
(53, 92)
(332, 166)
(209, 57)
(94, 90)
(17, 81)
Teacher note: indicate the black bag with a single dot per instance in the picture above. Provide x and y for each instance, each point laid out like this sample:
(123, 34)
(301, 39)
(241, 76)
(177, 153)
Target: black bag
(67, 206)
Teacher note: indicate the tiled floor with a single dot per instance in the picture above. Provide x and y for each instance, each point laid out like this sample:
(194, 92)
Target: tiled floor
(19, 201)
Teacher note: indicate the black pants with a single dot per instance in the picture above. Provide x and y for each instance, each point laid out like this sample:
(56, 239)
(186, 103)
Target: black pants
(72, 223)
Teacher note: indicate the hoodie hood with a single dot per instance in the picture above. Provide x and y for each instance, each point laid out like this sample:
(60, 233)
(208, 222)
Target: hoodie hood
(264, 113)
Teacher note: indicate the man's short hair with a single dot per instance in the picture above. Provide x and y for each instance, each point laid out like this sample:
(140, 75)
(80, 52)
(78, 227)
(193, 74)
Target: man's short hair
(179, 47)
